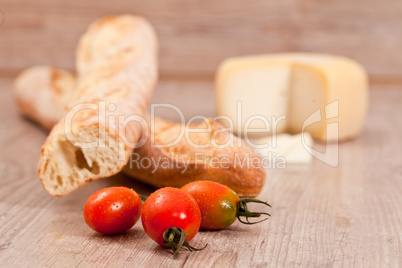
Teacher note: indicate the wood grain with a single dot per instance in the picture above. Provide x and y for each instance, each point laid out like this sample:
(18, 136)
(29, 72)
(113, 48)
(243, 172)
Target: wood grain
(195, 36)
(347, 216)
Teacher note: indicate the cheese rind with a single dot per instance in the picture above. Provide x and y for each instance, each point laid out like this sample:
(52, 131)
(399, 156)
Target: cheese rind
(298, 86)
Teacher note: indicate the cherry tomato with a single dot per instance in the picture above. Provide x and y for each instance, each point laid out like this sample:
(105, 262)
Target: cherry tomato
(169, 215)
(112, 210)
(220, 205)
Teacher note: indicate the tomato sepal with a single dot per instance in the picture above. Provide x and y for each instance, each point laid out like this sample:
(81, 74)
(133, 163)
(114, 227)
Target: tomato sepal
(242, 210)
(175, 238)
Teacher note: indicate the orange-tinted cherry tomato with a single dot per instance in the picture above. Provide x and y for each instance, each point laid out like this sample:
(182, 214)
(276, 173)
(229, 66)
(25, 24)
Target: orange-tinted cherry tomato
(220, 205)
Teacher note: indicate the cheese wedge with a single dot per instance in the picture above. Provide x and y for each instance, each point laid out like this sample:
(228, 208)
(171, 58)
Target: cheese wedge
(324, 95)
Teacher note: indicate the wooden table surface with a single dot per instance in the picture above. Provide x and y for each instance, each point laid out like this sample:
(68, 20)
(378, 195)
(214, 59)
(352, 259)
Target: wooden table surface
(322, 216)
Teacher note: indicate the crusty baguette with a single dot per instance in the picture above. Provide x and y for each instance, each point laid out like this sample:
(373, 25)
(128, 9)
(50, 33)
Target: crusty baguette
(244, 180)
(42, 94)
(210, 153)
(116, 62)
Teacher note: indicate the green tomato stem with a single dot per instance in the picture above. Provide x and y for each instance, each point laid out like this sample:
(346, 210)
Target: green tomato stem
(171, 237)
(242, 210)
(175, 238)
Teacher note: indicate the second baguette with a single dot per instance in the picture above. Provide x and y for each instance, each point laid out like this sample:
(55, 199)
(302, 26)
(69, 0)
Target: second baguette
(212, 153)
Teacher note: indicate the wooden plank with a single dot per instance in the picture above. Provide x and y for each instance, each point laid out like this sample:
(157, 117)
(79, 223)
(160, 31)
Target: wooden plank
(195, 36)
(323, 216)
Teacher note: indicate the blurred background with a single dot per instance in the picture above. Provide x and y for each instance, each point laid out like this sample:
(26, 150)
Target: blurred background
(196, 35)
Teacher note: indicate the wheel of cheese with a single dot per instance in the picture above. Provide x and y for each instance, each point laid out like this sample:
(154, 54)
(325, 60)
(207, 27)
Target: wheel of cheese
(324, 95)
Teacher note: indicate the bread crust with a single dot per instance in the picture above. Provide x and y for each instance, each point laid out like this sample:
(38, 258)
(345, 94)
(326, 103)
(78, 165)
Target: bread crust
(42, 93)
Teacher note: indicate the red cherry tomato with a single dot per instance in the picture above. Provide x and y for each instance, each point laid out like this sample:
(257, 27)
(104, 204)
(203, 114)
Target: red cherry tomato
(112, 210)
(170, 214)
(220, 205)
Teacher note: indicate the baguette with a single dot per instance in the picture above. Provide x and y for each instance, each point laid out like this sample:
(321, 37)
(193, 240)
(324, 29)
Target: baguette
(245, 181)
(116, 63)
(42, 94)
(211, 153)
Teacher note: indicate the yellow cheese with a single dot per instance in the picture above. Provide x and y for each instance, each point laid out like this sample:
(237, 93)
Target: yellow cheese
(324, 95)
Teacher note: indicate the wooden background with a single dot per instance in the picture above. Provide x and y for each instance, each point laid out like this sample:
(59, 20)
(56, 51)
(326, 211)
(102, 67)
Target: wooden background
(348, 216)
(196, 35)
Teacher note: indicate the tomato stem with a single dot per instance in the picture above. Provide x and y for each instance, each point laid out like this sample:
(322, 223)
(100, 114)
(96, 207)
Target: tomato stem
(171, 237)
(242, 210)
(175, 238)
